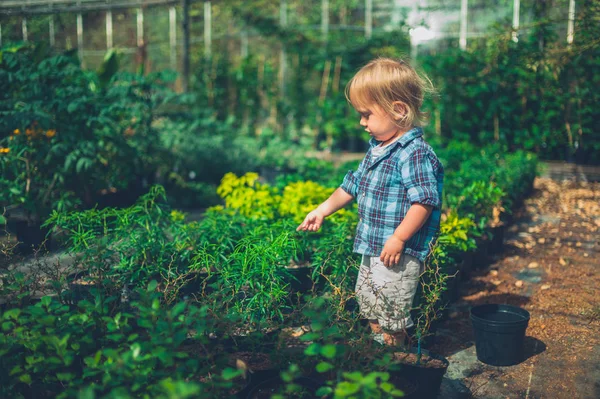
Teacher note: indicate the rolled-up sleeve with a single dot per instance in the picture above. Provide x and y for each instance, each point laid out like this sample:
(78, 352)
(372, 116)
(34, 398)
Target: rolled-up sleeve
(421, 180)
(352, 180)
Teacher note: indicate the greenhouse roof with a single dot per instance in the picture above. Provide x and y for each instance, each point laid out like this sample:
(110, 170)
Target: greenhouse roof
(32, 7)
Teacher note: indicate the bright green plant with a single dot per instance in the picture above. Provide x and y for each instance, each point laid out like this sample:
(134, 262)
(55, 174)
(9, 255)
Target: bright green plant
(300, 198)
(131, 246)
(254, 275)
(456, 234)
(248, 196)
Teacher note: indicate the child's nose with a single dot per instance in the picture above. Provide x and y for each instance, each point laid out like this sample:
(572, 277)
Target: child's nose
(363, 121)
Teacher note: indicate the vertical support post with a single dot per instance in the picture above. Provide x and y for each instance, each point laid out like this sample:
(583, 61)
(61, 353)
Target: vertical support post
(368, 18)
(207, 29)
(51, 31)
(571, 23)
(0, 35)
(24, 28)
(186, 45)
(80, 36)
(173, 36)
(325, 19)
(244, 44)
(396, 14)
(109, 30)
(282, 54)
(464, 6)
(140, 27)
(515, 23)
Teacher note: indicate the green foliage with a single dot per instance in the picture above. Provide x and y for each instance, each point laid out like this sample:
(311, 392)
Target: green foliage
(456, 234)
(248, 196)
(530, 95)
(51, 349)
(66, 134)
(132, 246)
(253, 278)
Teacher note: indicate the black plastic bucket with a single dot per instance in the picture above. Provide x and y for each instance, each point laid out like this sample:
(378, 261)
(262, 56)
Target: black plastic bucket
(499, 333)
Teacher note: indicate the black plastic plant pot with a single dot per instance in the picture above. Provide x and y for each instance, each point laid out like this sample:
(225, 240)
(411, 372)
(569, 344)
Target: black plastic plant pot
(408, 386)
(499, 333)
(481, 257)
(270, 386)
(298, 278)
(30, 236)
(497, 242)
(428, 373)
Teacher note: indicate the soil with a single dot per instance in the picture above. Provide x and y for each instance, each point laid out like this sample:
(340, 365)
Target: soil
(550, 267)
(252, 361)
(426, 361)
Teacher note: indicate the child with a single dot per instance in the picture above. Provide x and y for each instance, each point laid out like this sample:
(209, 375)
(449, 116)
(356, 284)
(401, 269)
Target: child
(398, 187)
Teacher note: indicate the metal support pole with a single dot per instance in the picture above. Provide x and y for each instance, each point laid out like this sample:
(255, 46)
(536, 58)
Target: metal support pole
(0, 35)
(464, 6)
(186, 45)
(51, 31)
(207, 29)
(109, 30)
(80, 37)
(140, 27)
(24, 28)
(515, 24)
(282, 54)
(571, 23)
(368, 18)
(325, 19)
(173, 36)
(244, 44)
(396, 14)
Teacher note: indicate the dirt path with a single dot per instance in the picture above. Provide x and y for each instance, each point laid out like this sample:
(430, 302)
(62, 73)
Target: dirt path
(551, 267)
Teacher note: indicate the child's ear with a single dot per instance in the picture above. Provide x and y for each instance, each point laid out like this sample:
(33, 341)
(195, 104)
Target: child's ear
(400, 110)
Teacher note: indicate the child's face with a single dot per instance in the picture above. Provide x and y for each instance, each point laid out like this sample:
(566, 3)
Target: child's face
(378, 123)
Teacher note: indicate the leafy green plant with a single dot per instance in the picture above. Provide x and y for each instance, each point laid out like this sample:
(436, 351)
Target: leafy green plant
(53, 350)
(253, 276)
(456, 234)
(132, 246)
(248, 196)
(67, 134)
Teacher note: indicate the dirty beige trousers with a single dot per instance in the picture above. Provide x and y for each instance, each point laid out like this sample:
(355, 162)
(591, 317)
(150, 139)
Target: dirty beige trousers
(386, 294)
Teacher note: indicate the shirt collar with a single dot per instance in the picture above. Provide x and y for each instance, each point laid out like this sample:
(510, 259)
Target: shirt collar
(403, 141)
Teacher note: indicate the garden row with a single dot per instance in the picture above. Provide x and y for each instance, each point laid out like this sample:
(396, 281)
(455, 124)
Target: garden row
(162, 307)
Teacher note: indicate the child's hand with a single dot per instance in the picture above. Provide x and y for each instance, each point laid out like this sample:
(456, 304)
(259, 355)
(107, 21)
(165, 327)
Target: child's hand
(392, 251)
(312, 222)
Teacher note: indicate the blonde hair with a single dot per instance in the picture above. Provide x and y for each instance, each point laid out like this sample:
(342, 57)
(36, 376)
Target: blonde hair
(385, 81)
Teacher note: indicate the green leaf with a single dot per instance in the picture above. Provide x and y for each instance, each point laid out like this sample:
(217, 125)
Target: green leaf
(324, 367)
(152, 286)
(26, 378)
(344, 389)
(312, 349)
(177, 309)
(12, 314)
(46, 300)
(230, 374)
(323, 391)
(328, 351)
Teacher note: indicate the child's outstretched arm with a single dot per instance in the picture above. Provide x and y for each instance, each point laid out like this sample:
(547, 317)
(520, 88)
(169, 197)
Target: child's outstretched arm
(314, 220)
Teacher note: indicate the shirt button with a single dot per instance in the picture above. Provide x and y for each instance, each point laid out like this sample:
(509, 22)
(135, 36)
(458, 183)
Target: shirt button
(364, 194)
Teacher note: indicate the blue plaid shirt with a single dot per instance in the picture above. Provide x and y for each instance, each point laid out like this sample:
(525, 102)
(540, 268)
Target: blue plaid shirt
(385, 187)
